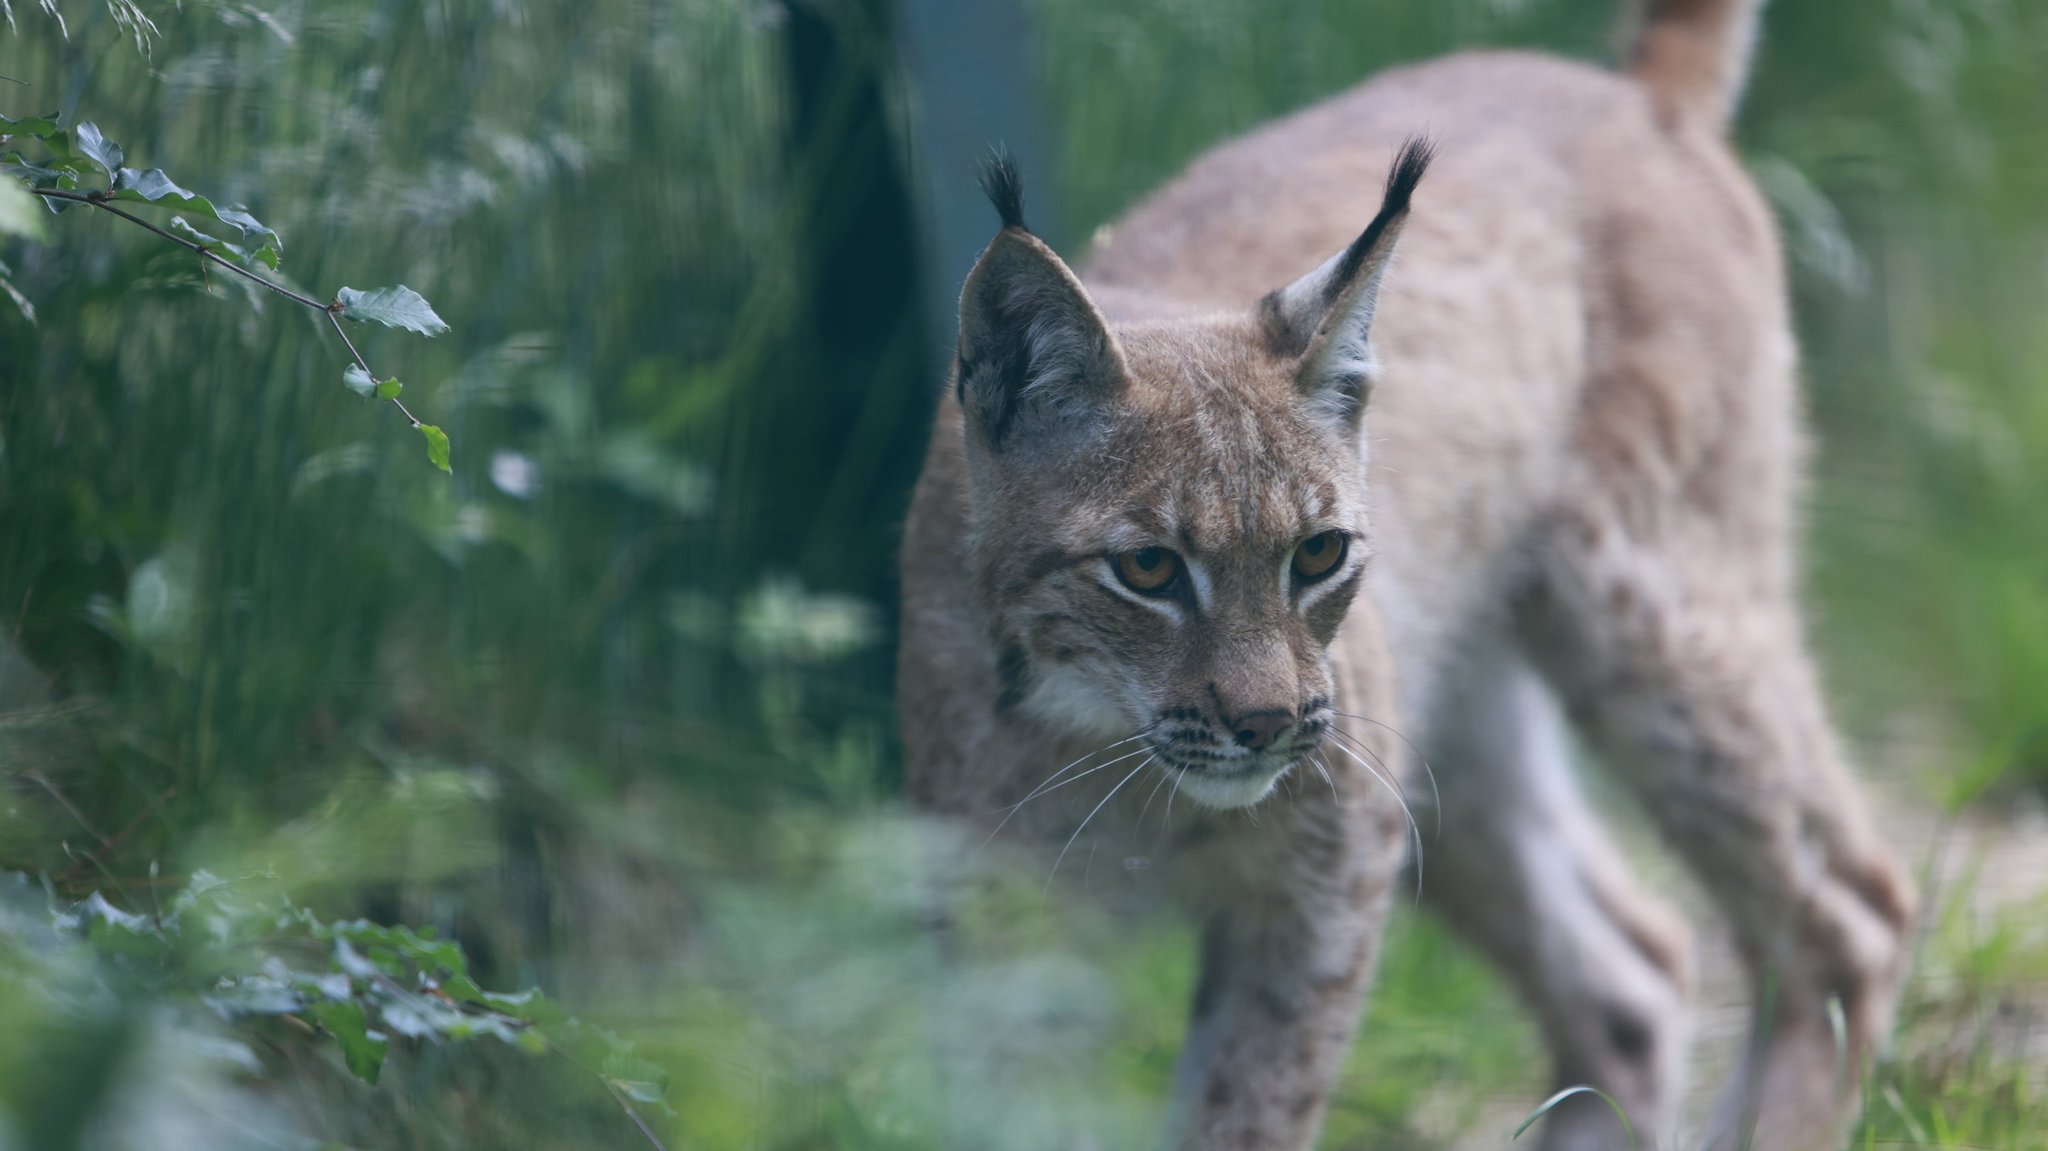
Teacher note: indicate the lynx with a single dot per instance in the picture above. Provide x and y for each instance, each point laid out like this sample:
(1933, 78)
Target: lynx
(1248, 497)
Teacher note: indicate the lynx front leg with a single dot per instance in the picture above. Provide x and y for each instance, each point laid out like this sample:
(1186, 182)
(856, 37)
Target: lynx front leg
(1284, 970)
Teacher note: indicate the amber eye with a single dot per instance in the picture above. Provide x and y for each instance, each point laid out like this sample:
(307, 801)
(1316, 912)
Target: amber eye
(1319, 555)
(1147, 571)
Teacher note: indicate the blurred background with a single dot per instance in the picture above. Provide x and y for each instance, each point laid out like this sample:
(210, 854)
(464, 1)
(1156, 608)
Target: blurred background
(610, 707)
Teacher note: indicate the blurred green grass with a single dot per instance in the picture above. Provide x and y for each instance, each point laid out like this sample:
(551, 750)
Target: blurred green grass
(610, 705)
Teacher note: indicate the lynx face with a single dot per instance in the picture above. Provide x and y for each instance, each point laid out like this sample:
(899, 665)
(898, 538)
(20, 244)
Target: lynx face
(1178, 567)
(1168, 521)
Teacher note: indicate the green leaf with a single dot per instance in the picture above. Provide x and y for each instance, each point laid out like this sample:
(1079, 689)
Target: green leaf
(153, 187)
(437, 446)
(98, 148)
(55, 173)
(398, 307)
(637, 1079)
(389, 389)
(270, 250)
(34, 127)
(19, 215)
(359, 381)
(214, 244)
(361, 1048)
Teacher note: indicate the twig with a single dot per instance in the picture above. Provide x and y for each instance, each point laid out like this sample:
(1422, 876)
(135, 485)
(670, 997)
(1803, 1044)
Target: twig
(627, 1106)
(618, 1096)
(39, 778)
(110, 849)
(332, 308)
(96, 199)
(334, 317)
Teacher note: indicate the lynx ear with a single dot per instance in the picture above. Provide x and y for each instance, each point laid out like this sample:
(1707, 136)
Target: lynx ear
(1324, 318)
(1033, 347)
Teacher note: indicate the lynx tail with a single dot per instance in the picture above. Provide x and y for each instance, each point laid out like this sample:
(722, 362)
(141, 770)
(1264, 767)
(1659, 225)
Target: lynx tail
(1693, 55)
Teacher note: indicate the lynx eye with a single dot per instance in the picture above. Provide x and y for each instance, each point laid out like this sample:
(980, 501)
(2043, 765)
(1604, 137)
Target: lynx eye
(1319, 555)
(1147, 571)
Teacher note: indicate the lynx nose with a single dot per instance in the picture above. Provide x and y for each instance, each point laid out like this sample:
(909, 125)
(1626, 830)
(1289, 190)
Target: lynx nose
(1258, 729)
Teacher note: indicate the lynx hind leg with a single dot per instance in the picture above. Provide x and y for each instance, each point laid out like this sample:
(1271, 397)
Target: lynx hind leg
(1677, 644)
(1524, 873)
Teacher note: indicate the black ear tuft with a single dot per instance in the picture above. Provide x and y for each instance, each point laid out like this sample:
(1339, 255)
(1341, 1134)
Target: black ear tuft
(1003, 187)
(1409, 165)
(1407, 172)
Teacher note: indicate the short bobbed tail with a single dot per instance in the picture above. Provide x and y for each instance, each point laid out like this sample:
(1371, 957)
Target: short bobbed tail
(1693, 56)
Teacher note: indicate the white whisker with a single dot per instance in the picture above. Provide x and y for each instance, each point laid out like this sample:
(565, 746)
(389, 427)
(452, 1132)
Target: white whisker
(1323, 769)
(1042, 787)
(1049, 785)
(1091, 815)
(1172, 774)
(1414, 832)
(1164, 774)
(1435, 797)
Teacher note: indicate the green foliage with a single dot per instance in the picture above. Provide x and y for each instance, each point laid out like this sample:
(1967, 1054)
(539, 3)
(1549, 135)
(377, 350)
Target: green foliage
(437, 440)
(34, 127)
(18, 213)
(1965, 1071)
(55, 180)
(242, 951)
(267, 255)
(359, 381)
(398, 307)
(91, 145)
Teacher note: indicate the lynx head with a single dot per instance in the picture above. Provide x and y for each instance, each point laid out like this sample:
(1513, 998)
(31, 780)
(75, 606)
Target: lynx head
(1167, 518)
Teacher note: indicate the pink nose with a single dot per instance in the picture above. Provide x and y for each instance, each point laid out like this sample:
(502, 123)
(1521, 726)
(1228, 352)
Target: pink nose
(1258, 729)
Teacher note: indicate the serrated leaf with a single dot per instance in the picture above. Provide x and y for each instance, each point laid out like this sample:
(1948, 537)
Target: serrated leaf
(19, 215)
(34, 127)
(398, 307)
(361, 1048)
(359, 381)
(389, 389)
(98, 148)
(437, 446)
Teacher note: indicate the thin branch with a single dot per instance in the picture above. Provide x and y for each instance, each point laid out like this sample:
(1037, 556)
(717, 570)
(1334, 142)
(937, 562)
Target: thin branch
(110, 849)
(334, 317)
(617, 1095)
(94, 199)
(38, 777)
(333, 310)
(627, 1106)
